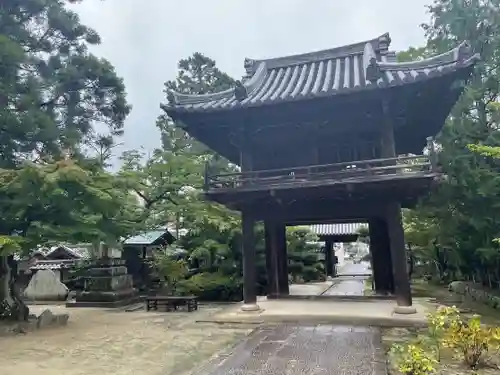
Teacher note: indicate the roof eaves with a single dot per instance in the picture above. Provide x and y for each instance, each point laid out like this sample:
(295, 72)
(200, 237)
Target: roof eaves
(379, 43)
(375, 70)
(199, 100)
(461, 54)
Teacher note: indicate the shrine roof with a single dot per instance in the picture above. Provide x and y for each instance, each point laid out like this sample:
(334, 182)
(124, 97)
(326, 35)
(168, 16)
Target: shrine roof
(360, 66)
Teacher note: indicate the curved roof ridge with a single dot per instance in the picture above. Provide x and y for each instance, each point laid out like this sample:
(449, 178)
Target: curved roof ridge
(381, 42)
(250, 85)
(459, 53)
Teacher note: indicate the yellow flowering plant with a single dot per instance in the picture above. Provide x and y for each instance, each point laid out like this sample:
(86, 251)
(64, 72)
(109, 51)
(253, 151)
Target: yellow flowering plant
(437, 323)
(413, 360)
(470, 339)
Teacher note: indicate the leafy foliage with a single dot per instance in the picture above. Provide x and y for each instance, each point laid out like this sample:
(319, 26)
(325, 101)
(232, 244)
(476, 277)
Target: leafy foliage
(471, 341)
(170, 271)
(63, 202)
(53, 89)
(9, 245)
(414, 360)
(469, 338)
(454, 231)
(213, 286)
(52, 93)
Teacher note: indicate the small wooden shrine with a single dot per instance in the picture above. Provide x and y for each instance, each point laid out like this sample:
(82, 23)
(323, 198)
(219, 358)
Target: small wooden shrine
(329, 136)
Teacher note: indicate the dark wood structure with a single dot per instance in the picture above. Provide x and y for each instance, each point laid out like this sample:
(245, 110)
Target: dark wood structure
(138, 249)
(330, 136)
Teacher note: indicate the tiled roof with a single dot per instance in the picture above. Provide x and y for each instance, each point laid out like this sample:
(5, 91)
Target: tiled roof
(52, 264)
(79, 251)
(336, 229)
(75, 250)
(365, 65)
(145, 238)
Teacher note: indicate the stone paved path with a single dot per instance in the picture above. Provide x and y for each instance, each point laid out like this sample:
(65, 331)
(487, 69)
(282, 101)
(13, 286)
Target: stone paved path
(304, 350)
(308, 350)
(349, 285)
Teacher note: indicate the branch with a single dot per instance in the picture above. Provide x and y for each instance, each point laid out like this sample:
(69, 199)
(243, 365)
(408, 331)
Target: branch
(150, 202)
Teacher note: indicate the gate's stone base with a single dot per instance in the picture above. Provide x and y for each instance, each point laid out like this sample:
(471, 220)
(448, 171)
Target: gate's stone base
(363, 313)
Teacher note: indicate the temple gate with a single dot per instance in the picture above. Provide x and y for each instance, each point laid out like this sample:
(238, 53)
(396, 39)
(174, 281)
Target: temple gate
(330, 136)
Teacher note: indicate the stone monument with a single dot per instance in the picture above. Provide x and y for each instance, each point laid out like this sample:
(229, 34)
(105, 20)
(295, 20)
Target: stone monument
(46, 286)
(106, 284)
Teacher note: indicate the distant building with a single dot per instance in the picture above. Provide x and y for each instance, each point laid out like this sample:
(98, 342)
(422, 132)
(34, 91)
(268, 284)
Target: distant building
(336, 235)
(138, 249)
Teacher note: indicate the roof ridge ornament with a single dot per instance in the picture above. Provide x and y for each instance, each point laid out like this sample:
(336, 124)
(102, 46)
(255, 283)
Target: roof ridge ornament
(249, 65)
(240, 91)
(464, 51)
(172, 100)
(384, 41)
(373, 71)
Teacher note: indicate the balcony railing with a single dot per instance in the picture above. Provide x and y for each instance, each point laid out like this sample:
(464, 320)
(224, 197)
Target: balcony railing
(349, 171)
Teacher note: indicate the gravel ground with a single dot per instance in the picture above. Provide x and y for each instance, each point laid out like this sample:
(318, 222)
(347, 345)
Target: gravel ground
(116, 342)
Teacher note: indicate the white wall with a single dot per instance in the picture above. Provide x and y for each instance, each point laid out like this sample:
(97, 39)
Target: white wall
(339, 253)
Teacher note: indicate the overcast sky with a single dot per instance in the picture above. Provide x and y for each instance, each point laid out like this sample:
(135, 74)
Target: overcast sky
(144, 39)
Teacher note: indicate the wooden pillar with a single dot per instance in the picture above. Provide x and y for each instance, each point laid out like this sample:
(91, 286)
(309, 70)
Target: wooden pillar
(282, 259)
(249, 269)
(248, 228)
(381, 256)
(329, 258)
(399, 261)
(431, 149)
(272, 266)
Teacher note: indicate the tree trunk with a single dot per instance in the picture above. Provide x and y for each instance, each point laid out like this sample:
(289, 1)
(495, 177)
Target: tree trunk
(11, 305)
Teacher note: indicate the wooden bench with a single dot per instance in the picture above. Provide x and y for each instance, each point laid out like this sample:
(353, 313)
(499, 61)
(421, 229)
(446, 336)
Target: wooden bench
(171, 303)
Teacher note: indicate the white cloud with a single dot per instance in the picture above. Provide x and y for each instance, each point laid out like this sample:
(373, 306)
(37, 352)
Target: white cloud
(144, 39)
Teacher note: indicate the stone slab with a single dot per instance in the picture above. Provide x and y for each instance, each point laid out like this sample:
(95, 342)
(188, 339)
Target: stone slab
(46, 286)
(40, 320)
(309, 289)
(110, 304)
(377, 313)
(105, 296)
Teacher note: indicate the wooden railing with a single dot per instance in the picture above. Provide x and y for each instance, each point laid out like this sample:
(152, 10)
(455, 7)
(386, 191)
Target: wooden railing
(363, 169)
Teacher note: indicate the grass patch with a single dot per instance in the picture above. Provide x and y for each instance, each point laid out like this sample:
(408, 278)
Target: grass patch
(368, 287)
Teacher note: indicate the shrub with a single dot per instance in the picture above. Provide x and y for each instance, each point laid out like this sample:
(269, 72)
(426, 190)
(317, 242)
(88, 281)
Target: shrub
(413, 360)
(437, 327)
(212, 287)
(470, 338)
(169, 271)
(295, 268)
(310, 273)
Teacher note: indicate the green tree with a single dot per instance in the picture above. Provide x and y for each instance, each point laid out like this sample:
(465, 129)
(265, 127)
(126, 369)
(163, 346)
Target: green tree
(59, 202)
(456, 226)
(197, 74)
(52, 92)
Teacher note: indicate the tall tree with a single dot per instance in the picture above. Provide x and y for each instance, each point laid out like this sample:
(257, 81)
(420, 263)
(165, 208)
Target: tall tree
(460, 220)
(197, 74)
(170, 179)
(52, 92)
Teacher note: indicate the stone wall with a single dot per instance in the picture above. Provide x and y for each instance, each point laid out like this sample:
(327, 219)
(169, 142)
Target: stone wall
(477, 293)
